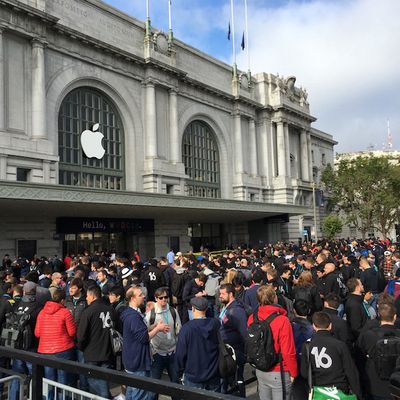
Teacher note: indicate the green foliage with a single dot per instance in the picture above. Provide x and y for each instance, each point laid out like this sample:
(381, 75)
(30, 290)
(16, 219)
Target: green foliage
(332, 226)
(366, 189)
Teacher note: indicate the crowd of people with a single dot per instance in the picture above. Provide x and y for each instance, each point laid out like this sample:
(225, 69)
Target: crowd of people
(314, 315)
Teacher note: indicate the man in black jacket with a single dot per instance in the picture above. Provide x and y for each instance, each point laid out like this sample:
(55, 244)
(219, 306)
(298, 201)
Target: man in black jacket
(329, 281)
(153, 278)
(340, 329)
(374, 385)
(28, 305)
(194, 288)
(356, 314)
(94, 337)
(331, 363)
(76, 304)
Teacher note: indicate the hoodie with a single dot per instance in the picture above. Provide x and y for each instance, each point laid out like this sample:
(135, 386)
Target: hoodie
(136, 348)
(234, 325)
(55, 328)
(197, 350)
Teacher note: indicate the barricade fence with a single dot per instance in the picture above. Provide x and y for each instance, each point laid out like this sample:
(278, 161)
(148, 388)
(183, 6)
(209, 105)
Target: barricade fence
(38, 381)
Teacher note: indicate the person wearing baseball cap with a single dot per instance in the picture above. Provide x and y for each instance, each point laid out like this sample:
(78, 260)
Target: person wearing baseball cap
(198, 342)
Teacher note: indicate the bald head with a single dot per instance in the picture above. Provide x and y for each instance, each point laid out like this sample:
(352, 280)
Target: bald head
(329, 267)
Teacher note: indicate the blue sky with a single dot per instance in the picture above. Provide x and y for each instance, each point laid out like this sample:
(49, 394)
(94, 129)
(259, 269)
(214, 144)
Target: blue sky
(345, 52)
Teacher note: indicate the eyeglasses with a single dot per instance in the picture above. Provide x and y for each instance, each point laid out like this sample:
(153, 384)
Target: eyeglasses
(163, 298)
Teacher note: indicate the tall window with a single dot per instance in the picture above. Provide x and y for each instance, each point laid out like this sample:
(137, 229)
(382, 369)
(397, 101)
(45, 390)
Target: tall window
(81, 109)
(201, 159)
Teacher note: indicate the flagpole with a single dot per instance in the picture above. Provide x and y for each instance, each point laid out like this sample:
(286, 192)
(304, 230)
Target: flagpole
(247, 37)
(233, 39)
(170, 33)
(148, 22)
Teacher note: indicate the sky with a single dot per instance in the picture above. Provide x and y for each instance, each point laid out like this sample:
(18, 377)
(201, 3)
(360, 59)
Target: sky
(346, 53)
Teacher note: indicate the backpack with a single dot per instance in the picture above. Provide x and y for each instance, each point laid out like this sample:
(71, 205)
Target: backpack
(17, 332)
(177, 284)
(385, 353)
(116, 340)
(259, 344)
(226, 359)
(343, 289)
(287, 304)
(212, 284)
(153, 316)
(303, 293)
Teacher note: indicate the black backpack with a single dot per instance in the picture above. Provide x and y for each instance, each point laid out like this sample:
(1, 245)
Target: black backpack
(227, 364)
(17, 331)
(343, 289)
(177, 284)
(304, 294)
(259, 344)
(385, 353)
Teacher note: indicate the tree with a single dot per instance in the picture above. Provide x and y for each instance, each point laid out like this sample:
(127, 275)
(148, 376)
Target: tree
(332, 226)
(366, 189)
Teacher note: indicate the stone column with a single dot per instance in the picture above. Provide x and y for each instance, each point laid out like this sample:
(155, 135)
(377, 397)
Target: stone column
(310, 163)
(304, 156)
(38, 90)
(238, 162)
(264, 150)
(252, 147)
(151, 121)
(173, 127)
(46, 171)
(3, 167)
(287, 149)
(281, 149)
(2, 103)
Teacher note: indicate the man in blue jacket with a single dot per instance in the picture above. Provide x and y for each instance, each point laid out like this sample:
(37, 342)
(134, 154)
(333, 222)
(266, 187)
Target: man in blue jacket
(233, 319)
(136, 349)
(197, 349)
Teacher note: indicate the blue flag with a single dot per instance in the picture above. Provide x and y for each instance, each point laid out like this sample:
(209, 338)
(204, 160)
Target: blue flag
(229, 31)
(243, 45)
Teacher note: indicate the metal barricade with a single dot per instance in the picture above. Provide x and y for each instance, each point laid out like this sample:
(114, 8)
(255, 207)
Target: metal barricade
(59, 391)
(9, 379)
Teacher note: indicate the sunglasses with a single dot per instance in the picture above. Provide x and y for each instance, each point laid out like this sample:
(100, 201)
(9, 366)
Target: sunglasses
(163, 298)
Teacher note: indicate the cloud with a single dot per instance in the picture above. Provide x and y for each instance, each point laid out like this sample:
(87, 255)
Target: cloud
(345, 53)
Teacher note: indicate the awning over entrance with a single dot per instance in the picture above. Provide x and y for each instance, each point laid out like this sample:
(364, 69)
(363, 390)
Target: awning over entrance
(52, 201)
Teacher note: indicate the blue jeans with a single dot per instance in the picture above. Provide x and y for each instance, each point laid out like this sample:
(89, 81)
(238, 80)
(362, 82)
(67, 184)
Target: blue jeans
(99, 386)
(135, 393)
(23, 368)
(159, 364)
(214, 384)
(58, 375)
(83, 379)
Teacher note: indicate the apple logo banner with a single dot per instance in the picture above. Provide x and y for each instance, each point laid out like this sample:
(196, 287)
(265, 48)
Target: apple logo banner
(91, 142)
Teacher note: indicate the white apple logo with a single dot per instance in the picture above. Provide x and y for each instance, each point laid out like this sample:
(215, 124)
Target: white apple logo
(91, 143)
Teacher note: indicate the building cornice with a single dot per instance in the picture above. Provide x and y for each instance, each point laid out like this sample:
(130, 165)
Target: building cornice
(67, 194)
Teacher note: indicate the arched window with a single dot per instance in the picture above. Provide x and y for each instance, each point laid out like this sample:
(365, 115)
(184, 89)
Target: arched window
(81, 110)
(201, 159)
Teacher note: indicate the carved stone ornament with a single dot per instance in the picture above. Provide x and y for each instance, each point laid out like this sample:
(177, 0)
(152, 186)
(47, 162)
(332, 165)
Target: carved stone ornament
(244, 80)
(161, 42)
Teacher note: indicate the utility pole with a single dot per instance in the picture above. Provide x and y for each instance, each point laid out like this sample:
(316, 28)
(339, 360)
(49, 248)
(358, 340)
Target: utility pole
(315, 212)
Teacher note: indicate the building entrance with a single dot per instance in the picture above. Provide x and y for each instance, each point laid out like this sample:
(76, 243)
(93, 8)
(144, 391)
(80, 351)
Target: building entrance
(206, 236)
(101, 234)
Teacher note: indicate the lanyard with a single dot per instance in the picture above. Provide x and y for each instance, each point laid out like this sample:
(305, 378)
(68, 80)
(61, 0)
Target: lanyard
(222, 313)
(366, 310)
(165, 315)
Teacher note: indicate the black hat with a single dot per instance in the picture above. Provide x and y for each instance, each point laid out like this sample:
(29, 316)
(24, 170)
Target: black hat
(199, 303)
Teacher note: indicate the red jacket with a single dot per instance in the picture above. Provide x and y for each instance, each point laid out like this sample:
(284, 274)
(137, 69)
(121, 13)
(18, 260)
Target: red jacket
(55, 328)
(283, 337)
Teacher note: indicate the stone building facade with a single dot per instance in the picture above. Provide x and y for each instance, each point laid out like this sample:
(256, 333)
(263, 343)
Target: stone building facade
(195, 154)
